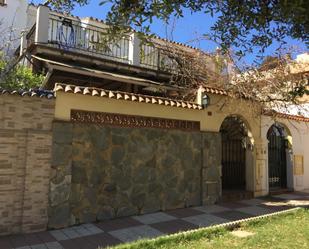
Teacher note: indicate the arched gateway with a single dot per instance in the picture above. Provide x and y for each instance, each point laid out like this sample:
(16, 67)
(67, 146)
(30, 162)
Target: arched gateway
(234, 142)
(277, 156)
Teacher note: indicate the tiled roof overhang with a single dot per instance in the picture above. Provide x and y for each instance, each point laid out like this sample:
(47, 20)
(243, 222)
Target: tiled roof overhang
(214, 90)
(31, 93)
(286, 116)
(92, 91)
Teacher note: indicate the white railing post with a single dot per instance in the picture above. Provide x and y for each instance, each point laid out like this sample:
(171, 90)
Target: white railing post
(199, 95)
(134, 50)
(23, 43)
(42, 23)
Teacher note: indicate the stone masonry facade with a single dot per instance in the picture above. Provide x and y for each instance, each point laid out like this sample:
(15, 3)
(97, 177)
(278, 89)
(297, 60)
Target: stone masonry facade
(25, 156)
(103, 172)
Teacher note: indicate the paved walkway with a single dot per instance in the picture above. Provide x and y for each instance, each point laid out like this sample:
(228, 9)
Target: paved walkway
(113, 232)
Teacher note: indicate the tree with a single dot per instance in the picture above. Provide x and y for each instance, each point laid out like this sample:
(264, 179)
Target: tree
(240, 24)
(14, 75)
(18, 77)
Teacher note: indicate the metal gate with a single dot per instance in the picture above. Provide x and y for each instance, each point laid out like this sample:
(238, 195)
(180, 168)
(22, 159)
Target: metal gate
(277, 145)
(233, 164)
(234, 135)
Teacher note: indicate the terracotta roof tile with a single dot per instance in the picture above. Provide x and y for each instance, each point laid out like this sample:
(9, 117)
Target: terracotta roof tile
(125, 96)
(31, 93)
(286, 116)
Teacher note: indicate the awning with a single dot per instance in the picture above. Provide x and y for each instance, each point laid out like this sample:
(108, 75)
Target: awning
(68, 67)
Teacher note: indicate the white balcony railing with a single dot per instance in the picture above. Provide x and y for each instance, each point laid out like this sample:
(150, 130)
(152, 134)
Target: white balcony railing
(70, 34)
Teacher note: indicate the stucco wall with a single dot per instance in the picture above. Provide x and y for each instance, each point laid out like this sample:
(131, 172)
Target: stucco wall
(13, 20)
(299, 137)
(210, 118)
(102, 172)
(25, 153)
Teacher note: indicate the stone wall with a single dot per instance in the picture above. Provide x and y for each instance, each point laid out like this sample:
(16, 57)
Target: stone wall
(106, 172)
(211, 172)
(25, 153)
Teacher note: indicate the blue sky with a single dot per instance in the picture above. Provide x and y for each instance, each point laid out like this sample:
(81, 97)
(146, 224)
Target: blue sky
(186, 30)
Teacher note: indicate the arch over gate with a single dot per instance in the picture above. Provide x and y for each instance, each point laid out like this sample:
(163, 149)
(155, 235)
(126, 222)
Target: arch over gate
(234, 134)
(277, 156)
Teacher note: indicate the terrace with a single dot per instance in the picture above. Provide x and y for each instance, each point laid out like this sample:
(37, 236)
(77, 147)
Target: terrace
(62, 44)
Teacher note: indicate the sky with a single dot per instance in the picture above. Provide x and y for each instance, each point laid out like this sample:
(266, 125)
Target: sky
(185, 30)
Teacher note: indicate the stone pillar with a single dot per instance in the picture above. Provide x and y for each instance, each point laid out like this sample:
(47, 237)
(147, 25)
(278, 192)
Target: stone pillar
(42, 24)
(211, 168)
(60, 182)
(134, 50)
(261, 169)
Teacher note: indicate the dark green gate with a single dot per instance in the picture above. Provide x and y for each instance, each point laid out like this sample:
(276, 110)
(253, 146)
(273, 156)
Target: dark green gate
(277, 145)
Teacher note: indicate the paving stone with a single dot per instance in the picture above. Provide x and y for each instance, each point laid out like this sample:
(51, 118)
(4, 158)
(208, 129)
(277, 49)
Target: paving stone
(173, 226)
(233, 215)
(135, 233)
(59, 235)
(275, 207)
(204, 220)
(70, 233)
(92, 228)
(45, 237)
(254, 210)
(288, 196)
(32, 239)
(184, 212)
(84, 243)
(103, 240)
(233, 205)
(39, 246)
(5, 243)
(116, 224)
(212, 209)
(252, 202)
(69, 244)
(82, 231)
(18, 241)
(154, 218)
(22, 247)
(53, 245)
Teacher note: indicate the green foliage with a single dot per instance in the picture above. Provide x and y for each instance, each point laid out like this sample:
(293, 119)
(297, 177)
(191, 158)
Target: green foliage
(240, 24)
(20, 77)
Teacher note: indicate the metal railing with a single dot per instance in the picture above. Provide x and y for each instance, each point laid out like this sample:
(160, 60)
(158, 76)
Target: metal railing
(155, 58)
(69, 34)
(30, 37)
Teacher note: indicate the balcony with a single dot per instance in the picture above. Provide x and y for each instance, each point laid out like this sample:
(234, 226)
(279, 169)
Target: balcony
(70, 34)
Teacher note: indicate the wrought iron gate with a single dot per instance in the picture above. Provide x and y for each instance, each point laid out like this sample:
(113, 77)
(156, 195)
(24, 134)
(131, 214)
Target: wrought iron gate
(277, 145)
(234, 134)
(233, 164)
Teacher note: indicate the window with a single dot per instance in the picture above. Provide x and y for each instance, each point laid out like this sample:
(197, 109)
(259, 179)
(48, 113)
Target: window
(2, 2)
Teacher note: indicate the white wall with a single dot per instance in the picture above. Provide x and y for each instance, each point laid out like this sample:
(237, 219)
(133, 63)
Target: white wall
(299, 132)
(13, 19)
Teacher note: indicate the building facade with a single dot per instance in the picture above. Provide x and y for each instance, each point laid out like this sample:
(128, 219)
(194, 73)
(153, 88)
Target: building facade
(111, 137)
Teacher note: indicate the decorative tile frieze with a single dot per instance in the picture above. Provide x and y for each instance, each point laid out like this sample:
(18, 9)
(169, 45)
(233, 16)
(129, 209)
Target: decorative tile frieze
(123, 120)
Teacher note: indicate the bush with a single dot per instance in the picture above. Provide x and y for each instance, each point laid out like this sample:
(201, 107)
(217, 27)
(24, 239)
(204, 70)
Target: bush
(19, 77)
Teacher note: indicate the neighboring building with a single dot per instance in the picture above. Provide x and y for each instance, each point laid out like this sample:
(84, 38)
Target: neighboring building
(13, 19)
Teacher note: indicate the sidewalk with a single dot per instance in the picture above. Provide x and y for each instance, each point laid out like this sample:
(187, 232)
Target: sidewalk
(113, 232)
